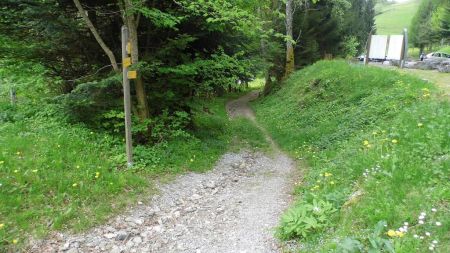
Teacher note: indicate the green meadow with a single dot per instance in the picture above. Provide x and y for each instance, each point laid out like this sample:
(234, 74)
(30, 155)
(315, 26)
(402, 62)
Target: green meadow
(393, 18)
(374, 145)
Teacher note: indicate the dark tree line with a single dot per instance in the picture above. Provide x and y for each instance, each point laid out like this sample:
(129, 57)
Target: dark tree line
(182, 49)
(431, 24)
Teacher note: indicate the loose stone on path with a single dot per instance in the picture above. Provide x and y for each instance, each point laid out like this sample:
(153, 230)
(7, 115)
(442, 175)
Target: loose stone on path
(233, 208)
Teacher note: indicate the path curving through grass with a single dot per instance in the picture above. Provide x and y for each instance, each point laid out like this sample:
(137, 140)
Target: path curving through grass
(233, 208)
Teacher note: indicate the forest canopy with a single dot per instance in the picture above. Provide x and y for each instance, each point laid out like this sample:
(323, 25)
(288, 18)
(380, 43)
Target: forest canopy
(182, 49)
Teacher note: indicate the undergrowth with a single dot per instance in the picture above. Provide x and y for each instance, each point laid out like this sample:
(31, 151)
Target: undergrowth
(377, 144)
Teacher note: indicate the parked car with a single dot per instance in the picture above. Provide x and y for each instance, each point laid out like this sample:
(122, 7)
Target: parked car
(363, 57)
(437, 55)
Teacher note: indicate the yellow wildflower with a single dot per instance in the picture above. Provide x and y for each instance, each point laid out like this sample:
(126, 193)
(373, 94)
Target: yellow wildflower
(2, 162)
(399, 234)
(97, 174)
(394, 141)
(328, 174)
(74, 185)
(366, 142)
(391, 233)
(15, 241)
(1, 225)
(78, 166)
(18, 153)
(192, 160)
(332, 182)
(15, 171)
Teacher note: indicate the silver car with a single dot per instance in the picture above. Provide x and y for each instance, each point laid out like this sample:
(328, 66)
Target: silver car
(438, 55)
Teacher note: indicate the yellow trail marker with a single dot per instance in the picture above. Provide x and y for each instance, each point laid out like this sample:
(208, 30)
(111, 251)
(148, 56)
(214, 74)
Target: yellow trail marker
(127, 62)
(132, 74)
(128, 48)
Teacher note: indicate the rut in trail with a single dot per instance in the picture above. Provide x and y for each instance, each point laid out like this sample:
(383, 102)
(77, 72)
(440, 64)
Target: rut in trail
(233, 208)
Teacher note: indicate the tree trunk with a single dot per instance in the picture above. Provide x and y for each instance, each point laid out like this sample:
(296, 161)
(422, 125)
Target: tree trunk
(132, 23)
(99, 39)
(290, 61)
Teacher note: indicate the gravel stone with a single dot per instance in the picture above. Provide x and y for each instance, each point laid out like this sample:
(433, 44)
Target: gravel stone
(72, 250)
(110, 235)
(121, 236)
(235, 207)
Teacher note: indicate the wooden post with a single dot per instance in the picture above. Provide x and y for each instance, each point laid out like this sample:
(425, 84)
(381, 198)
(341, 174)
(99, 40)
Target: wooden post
(404, 48)
(12, 93)
(386, 50)
(369, 41)
(126, 97)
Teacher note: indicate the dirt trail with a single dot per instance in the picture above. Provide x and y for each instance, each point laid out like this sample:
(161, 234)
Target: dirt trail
(233, 208)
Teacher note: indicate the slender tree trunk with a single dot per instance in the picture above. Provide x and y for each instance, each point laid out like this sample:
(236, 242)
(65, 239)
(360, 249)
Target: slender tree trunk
(99, 39)
(290, 61)
(132, 23)
(276, 5)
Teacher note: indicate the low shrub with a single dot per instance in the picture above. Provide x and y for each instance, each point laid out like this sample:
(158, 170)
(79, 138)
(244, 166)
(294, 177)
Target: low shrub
(305, 218)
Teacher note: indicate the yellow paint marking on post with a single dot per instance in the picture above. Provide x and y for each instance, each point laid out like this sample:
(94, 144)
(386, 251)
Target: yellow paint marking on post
(127, 62)
(132, 74)
(128, 48)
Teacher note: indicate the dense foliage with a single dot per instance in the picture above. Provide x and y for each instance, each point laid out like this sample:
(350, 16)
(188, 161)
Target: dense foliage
(186, 49)
(431, 24)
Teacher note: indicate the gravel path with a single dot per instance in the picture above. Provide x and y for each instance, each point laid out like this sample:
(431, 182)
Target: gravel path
(233, 208)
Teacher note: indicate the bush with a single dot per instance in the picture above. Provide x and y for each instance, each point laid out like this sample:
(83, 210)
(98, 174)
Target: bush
(304, 219)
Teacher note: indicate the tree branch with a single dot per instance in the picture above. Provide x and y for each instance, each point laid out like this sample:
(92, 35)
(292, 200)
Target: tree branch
(94, 31)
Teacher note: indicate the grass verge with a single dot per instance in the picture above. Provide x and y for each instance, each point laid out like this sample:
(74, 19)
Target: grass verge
(445, 49)
(377, 143)
(56, 176)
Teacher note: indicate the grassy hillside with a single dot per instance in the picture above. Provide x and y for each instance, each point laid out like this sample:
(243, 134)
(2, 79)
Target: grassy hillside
(395, 17)
(377, 145)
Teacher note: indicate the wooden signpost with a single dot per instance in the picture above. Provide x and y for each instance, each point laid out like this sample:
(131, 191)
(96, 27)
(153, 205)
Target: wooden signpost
(405, 48)
(127, 75)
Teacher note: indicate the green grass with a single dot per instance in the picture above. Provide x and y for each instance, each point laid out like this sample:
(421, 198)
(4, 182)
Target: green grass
(258, 83)
(440, 79)
(343, 120)
(57, 176)
(414, 53)
(445, 49)
(395, 17)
